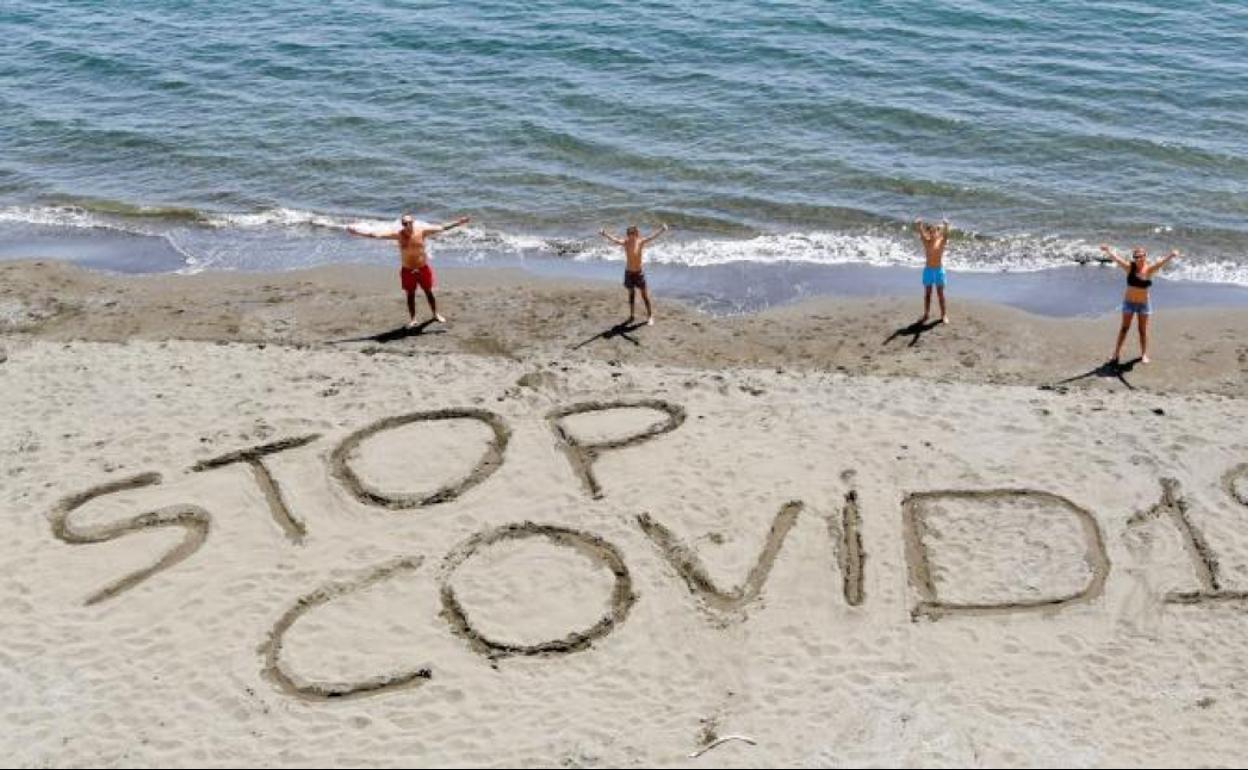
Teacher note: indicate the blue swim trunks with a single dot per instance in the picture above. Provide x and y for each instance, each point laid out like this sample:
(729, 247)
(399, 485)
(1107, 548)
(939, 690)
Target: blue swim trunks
(934, 276)
(1142, 308)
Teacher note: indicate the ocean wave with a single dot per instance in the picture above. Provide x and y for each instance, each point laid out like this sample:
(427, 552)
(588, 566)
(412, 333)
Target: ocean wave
(119, 215)
(835, 248)
(110, 215)
(123, 219)
(1214, 271)
(196, 235)
(284, 217)
(968, 253)
(108, 207)
(54, 216)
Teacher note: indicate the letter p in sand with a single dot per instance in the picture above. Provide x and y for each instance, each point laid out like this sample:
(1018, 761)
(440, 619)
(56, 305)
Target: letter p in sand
(582, 454)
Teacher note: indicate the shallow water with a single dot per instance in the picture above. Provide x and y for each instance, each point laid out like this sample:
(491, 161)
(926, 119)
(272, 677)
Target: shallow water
(241, 136)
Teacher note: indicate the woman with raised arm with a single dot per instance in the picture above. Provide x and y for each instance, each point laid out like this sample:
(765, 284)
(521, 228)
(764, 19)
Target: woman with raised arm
(1136, 301)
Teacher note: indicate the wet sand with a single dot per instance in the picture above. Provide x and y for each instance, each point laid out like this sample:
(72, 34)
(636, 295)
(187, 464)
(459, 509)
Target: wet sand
(512, 314)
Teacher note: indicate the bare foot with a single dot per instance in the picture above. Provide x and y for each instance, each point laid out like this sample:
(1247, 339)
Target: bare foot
(922, 319)
(1145, 359)
(440, 318)
(944, 319)
(650, 321)
(412, 324)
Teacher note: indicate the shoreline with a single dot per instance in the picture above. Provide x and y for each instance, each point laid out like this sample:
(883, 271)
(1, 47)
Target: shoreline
(252, 517)
(509, 313)
(727, 288)
(1056, 292)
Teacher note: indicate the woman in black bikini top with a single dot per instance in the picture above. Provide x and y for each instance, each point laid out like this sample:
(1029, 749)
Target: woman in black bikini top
(1136, 304)
(1134, 279)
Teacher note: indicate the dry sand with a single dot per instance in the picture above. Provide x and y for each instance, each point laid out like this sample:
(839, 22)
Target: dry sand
(851, 552)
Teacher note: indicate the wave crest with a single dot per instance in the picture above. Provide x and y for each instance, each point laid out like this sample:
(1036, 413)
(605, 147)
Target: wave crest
(198, 236)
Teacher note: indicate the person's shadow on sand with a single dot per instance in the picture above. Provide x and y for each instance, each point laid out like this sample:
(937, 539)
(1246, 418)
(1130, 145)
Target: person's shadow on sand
(917, 329)
(400, 333)
(1115, 369)
(621, 329)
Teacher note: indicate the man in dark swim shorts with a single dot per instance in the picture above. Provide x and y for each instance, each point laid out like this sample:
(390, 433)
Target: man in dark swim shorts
(634, 277)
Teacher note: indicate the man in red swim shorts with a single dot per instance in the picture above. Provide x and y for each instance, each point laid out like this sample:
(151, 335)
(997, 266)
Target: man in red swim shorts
(414, 267)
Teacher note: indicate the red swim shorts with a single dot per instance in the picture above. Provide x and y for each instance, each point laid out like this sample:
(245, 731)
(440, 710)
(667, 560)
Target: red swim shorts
(421, 276)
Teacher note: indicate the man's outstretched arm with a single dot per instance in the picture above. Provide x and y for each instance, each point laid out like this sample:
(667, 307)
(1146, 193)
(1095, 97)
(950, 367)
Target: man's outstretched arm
(383, 236)
(662, 229)
(617, 241)
(443, 228)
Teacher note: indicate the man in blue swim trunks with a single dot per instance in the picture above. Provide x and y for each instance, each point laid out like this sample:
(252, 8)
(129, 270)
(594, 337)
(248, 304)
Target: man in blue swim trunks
(934, 239)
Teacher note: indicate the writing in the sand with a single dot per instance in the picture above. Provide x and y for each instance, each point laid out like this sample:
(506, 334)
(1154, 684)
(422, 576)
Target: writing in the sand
(844, 526)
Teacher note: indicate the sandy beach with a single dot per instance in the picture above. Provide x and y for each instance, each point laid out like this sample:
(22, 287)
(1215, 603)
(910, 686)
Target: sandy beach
(259, 514)
(252, 522)
(513, 315)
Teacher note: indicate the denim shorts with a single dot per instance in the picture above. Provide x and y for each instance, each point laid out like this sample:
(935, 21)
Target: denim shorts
(1142, 308)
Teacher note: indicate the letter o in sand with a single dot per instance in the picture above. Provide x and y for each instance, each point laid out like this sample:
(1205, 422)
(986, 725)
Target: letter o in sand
(1236, 483)
(491, 461)
(595, 548)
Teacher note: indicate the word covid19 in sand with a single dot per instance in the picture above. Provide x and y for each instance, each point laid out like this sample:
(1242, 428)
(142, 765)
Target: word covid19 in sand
(936, 594)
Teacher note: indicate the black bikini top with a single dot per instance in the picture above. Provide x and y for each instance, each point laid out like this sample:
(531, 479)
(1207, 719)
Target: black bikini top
(1134, 279)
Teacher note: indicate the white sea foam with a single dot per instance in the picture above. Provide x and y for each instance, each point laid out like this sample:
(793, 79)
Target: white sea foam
(813, 247)
(52, 216)
(831, 248)
(190, 235)
(79, 218)
(283, 217)
(1015, 254)
(497, 240)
